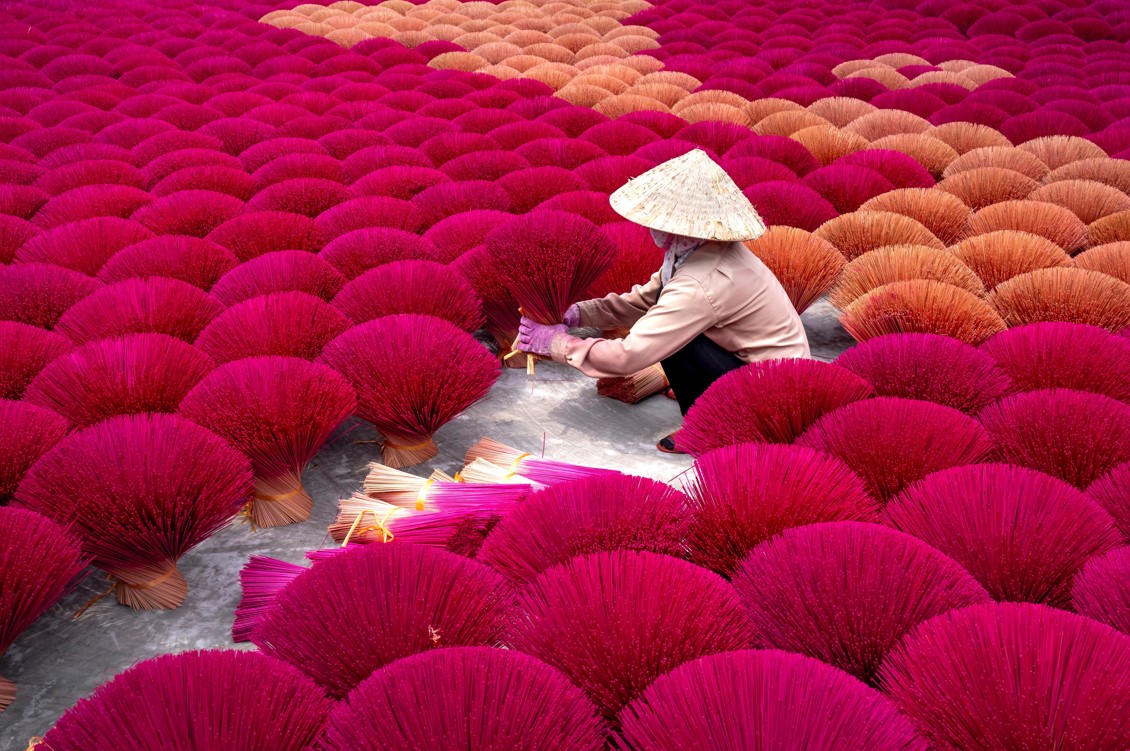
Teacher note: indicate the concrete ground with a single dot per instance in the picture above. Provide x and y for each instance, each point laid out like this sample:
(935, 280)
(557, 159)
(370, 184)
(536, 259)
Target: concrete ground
(60, 660)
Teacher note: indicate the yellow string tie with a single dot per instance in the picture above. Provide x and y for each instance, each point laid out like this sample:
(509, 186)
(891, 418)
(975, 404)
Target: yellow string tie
(514, 465)
(34, 742)
(381, 526)
(423, 493)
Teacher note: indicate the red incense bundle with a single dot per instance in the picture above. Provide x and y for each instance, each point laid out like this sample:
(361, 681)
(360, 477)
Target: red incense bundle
(539, 470)
(412, 374)
(38, 559)
(278, 411)
(550, 259)
(140, 490)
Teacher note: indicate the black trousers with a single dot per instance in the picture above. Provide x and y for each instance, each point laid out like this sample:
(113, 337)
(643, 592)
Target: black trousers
(691, 370)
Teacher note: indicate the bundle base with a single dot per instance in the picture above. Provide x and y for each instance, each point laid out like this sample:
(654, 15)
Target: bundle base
(150, 589)
(407, 452)
(279, 501)
(7, 693)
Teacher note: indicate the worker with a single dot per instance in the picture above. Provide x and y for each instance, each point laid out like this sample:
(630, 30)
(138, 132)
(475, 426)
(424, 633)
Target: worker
(713, 306)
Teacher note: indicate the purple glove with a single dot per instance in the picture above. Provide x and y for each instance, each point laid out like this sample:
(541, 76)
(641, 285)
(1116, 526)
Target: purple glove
(536, 338)
(572, 317)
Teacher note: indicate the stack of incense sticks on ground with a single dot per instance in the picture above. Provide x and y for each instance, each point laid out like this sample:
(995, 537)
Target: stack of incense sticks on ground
(431, 511)
(636, 387)
(538, 470)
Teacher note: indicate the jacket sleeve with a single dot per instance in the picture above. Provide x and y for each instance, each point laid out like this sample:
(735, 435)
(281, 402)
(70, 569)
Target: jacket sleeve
(683, 312)
(620, 310)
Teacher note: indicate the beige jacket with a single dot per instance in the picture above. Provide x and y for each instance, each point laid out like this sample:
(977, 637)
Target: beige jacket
(722, 290)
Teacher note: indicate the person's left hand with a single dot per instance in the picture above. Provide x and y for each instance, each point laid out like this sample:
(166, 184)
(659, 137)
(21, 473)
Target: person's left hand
(537, 339)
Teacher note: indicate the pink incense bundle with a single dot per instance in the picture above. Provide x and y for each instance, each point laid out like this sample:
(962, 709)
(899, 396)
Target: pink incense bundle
(549, 260)
(38, 294)
(499, 306)
(135, 306)
(140, 490)
(252, 234)
(278, 411)
(1064, 355)
(765, 700)
(356, 252)
(537, 469)
(357, 611)
(1073, 435)
(614, 622)
(84, 245)
(1112, 491)
(1022, 534)
(412, 375)
(465, 697)
(214, 700)
(27, 432)
(873, 585)
(770, 401)
(260, 581)
(892, 442)
(636, 387)
(1013, 676)
(287, 324)
(279, 271)
(745, 494)
(1102, 589)
(121, 375)
(595, 514)
(929, 367)
(27, 350)
(423, 287)
(38, 560)
(199, 262)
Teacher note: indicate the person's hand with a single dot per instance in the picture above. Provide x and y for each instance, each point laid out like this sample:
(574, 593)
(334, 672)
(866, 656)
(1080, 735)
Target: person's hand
(537, 339)
(572, 317)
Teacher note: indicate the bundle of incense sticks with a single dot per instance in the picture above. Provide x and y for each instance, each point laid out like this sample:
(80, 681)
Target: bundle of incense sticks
(440, 492)
(362, 520)
(535, 469)
(482, 472)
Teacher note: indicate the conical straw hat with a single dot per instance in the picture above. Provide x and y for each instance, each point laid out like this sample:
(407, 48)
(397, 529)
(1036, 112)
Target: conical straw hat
(692, 196)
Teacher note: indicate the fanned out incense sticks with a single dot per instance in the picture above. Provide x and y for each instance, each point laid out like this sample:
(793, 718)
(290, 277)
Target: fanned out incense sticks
(874, 585)
(763, 699)
(466, 697)
(601, 513)
(745, 494)
(1022, 534)
(361, 609)
(539, 470)
(614, 622)
(140, 490)
(278, 411)
(1102, 589)
(408, 491)
(412, 374)
(215, 700)
(38, 559)
(1001, 675)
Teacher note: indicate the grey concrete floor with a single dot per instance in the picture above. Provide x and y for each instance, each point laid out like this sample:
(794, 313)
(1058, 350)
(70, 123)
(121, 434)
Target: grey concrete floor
(60, 660)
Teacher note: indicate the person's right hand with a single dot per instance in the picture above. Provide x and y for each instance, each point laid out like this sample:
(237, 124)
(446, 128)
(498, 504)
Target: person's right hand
(572, 317)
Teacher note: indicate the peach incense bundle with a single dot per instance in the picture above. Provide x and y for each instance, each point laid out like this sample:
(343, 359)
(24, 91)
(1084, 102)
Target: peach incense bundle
(412, 375)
